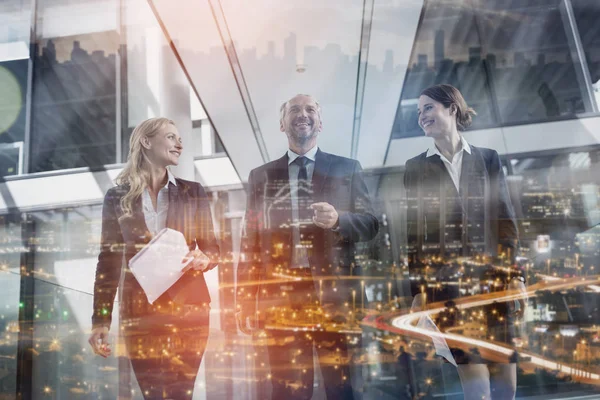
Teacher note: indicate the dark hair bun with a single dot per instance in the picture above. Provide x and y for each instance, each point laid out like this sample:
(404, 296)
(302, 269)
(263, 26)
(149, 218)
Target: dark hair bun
(449, 96)
(464, 118)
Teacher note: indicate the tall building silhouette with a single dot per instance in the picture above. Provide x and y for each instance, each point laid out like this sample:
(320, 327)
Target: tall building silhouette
(289, 49)
(520, 60)
(422, 61)
(474, 55)
(541, 59)
(271, 49)
(438, 48)
(388, 63)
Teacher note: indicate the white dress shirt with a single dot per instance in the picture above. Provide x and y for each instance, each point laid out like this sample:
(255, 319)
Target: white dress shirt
(300, 256)
(156, 220)
(454, 166)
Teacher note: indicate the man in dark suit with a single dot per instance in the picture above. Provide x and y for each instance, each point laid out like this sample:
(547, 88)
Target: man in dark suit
(305, 212)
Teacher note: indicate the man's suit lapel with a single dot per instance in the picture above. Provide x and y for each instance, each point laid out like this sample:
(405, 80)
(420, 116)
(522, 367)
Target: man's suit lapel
(277, 193)
(279, 172)
(320, 174)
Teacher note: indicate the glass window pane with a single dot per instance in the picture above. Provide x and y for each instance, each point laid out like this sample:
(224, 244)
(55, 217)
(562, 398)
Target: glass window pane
(447, 49)
(15, 16)
(10, 284)
(587, 13)
(74, 93)
(512, 61)
(533, 73)
(65, 257)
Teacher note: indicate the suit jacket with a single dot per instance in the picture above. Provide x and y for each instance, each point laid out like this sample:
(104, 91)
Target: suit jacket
(189, 213)
(267, 242)
(474, 220)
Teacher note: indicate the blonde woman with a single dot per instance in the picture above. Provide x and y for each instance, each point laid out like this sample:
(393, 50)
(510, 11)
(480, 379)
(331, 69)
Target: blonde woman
(165, 340)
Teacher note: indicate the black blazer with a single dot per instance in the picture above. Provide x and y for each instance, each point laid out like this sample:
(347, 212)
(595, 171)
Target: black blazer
(189, 213)
(267, 240)
(474, 220)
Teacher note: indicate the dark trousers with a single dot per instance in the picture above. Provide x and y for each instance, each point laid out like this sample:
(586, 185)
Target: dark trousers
(166, 348)
(291, 359)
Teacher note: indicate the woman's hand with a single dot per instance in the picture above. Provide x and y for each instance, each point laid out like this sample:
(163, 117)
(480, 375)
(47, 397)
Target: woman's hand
(517, 288)
(247, 319)
(200, 261)
(99, 341)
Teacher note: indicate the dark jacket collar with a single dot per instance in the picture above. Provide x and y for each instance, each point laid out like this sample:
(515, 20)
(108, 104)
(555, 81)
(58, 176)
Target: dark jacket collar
(320, 173)
(137, 224)
(434, 165)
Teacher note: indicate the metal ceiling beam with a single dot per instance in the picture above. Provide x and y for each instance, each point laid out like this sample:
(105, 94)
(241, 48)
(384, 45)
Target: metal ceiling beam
(236, 69)
(363, 59)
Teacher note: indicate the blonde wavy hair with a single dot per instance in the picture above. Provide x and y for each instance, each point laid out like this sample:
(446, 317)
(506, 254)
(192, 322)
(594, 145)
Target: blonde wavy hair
(136, 173)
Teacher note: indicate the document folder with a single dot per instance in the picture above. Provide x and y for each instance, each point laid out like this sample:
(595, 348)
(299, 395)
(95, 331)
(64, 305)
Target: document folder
(158, 265)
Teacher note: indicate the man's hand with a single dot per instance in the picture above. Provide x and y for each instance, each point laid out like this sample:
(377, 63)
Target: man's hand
(326, 216)
(200, 261)
(99, 341)
(246, 319)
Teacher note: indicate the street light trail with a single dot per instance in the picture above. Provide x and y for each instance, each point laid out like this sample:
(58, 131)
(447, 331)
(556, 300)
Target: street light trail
(406, 323)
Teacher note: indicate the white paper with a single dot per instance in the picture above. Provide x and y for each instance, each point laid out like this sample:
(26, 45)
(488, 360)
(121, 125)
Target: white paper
(158, 265)
(441, 347)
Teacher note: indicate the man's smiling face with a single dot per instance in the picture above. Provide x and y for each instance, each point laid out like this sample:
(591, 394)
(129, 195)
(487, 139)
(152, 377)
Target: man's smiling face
(301, 120)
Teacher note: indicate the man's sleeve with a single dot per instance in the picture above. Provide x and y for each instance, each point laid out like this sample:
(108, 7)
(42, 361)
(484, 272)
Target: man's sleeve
(249, 265)
(206, 240)
(359, 225)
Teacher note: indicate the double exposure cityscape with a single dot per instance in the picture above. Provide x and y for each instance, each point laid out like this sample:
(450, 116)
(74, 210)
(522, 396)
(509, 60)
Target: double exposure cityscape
(378, 199)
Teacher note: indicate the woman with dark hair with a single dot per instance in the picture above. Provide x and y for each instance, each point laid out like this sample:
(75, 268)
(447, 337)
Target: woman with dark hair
(165, 340)
(459, 209)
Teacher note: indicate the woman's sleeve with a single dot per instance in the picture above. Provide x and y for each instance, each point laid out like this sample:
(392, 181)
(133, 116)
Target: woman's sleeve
(205, 237)
(108, 269)
(508, 235)
(412, 219)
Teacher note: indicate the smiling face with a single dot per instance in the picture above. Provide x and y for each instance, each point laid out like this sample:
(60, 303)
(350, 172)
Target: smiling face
(301, 121)
(164, 148)
(435, 119)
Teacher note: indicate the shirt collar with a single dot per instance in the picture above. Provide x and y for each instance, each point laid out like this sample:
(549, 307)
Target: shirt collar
(311, 155)
(433, 150)
(171, 179)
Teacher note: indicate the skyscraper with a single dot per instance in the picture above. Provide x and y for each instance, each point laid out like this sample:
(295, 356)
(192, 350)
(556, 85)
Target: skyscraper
(388, 63)
(438, 47)
(474, 55)
(289, 49)
(422, 61)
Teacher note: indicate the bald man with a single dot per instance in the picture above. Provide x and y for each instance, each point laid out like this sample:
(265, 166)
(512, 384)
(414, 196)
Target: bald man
(304, 214)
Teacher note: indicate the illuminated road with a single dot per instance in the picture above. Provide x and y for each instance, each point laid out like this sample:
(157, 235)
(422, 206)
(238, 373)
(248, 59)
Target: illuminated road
(405, 324)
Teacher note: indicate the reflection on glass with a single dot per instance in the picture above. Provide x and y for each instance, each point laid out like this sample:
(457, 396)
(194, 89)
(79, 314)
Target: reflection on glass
(76, 76)
(503, 57)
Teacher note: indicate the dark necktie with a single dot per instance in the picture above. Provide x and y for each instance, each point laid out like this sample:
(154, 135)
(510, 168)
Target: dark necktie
(304, 190)
(303, 195)
(302, 163)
